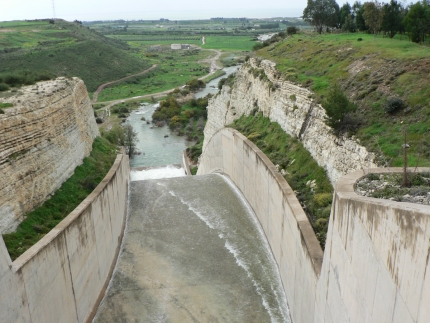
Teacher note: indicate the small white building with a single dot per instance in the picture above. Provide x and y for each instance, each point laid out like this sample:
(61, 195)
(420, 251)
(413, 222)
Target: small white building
(180, 46)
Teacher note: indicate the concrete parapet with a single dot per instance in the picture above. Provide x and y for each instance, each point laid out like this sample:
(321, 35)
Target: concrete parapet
(63, 277)
(376, 265)
(288, 231)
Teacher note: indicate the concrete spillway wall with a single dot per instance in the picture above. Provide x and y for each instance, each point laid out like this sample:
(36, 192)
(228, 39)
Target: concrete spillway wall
(376, 266)
(288, 231)
(62, 278)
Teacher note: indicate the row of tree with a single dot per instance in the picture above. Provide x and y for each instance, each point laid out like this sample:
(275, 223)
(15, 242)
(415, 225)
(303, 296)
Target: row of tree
(373, 17)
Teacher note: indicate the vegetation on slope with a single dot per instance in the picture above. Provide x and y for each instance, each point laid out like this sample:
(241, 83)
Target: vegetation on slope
(306, 178)
(72, 192)
(65, 49)
(372, 72)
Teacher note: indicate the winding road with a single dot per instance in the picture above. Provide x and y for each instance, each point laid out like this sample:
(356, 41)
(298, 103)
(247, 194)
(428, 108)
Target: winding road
(213, 68)
(101, 87)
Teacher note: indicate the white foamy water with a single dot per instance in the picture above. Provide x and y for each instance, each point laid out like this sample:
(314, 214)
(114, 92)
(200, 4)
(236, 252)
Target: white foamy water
(258, 266)
(157, 173)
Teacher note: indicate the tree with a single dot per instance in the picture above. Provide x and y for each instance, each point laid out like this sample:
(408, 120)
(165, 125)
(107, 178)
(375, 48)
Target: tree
(345, 12)
(349, 25)
(130, 140)
(320, 13)
(373, 15)
(337, 107)
(417, 21)
(358, 10)
(392, 21)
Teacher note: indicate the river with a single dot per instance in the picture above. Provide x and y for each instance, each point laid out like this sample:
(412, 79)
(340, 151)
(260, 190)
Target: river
(161, 146)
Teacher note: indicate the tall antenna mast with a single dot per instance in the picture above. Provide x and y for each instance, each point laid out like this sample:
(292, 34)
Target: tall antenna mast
(53, 8)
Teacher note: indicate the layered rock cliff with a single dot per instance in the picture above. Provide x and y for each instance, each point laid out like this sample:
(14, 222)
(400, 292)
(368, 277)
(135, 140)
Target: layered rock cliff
(259, 86)
(43, 137)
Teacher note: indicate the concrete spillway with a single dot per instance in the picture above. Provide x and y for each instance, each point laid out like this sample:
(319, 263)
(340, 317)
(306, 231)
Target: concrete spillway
(193, 252)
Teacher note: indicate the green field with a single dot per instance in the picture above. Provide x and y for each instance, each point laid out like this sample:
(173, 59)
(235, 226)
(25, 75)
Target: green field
(175, 68)
(369, 71)
(228, 43)
(221, 42)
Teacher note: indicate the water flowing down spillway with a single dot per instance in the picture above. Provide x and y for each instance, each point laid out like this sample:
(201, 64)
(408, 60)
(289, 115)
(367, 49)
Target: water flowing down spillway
(193, 252)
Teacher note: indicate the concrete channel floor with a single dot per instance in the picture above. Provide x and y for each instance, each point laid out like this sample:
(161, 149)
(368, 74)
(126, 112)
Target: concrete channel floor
(192, 252)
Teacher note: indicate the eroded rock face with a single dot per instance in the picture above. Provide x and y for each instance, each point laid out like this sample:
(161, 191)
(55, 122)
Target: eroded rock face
(258, 86)
(43, 137)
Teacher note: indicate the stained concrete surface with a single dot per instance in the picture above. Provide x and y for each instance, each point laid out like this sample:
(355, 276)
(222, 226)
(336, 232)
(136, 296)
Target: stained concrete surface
(193, 253)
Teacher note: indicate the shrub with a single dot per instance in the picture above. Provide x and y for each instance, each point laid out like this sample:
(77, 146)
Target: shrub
(360, 39)
(227, 81)
(337, 106)
(323, 199)
(394, 104)
(3, 87)
(196, 84)
(292, 30)
(99, 120)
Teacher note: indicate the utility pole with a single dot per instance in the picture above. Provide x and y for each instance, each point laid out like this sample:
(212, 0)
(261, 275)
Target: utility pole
(53, 9)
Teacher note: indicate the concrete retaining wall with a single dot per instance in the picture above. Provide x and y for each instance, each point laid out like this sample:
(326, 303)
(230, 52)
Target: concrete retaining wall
(376, 266)
(62, 278)
(289, 233)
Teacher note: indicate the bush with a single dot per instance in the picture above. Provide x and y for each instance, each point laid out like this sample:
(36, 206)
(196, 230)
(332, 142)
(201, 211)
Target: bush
(337, 107)
(196, 84)
(99, 120)
(292, 30)
(3, 87)
(258, 46)
(227, 81)
(360, 39)
(394, 104)
(323, 199)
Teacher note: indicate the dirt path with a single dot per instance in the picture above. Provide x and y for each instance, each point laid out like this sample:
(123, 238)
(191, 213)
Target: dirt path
(212, 61)
(214, 67)
(101, 87)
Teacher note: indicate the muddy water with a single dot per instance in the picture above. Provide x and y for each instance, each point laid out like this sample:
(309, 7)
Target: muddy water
(160, 146)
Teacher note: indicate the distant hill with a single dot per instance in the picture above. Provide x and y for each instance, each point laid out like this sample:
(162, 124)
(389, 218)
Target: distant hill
(65, 49)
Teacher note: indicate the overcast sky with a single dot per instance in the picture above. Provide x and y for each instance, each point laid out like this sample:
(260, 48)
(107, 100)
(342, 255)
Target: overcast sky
(149, 9)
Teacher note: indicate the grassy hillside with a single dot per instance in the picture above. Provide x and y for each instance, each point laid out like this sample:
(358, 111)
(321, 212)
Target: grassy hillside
(66, 49)
(369, 71)
(301, 171)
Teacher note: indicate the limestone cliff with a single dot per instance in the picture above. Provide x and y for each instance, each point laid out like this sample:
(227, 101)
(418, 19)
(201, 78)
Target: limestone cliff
(43, 137)
(259, 86)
